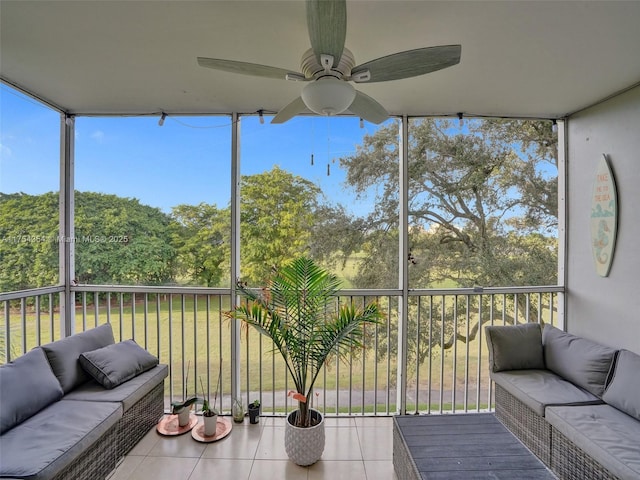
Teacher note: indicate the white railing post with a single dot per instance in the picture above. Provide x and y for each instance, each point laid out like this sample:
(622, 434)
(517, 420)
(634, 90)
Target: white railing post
(403, 274)
(235, 252)
(66, 236)
(562, 220)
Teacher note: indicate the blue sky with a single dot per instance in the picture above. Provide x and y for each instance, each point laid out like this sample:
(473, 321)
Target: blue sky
(187, 160)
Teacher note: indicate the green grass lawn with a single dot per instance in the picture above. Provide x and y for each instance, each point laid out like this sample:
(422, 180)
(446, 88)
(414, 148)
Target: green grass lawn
(192, 339)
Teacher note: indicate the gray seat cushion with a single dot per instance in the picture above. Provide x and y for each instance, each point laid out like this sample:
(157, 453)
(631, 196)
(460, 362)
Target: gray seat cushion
(27, 385)
(581, 361)
(46, 443)
(607, 435)
(515, 347)
(624, 390)
(539, 389)
(115, 364)
(128, 393)
(63, 355)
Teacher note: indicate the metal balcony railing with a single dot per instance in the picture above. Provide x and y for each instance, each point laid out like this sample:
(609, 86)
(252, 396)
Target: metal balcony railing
(441, 354)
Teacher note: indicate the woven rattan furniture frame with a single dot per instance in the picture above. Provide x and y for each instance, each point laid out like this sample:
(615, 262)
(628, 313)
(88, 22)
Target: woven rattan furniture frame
(102, 457)
(96, 462)
(403, 463)
(139, 419)
(532, 429)
(569, 462)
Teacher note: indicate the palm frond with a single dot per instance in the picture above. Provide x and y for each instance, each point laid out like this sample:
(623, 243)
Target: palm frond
(299, 312)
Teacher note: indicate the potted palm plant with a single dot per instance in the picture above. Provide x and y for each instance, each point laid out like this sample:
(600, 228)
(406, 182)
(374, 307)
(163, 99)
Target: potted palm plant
(299, 312)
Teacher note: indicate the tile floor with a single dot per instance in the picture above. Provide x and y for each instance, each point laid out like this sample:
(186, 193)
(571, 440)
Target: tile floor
(355, 449)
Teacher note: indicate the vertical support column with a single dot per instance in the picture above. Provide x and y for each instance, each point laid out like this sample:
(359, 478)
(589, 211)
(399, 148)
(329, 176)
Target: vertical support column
(66, 229)
(403, 274)
(235, 251)
(562, 219)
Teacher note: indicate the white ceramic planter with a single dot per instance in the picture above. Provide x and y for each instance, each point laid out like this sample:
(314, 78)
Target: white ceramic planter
(183, 417)
(304, 446)
(210, 425)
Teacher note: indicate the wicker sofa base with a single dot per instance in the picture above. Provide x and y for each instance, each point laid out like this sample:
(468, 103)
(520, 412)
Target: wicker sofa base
(96, 462)
(403, 463)
(139, 419)
(532, 429)
(102, 457)
(569, 462)
(561, 455)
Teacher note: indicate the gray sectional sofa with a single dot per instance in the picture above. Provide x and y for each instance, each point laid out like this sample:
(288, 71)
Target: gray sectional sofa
(72, 408)
(575, 403)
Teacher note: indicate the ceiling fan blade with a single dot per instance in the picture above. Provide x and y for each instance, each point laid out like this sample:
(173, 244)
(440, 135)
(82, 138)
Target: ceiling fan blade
(327, 24)
(409, 64)
(366, 107)
(245, 68)
(290, 111)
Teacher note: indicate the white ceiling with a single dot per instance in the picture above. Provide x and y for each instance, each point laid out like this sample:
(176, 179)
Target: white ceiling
(519, 58)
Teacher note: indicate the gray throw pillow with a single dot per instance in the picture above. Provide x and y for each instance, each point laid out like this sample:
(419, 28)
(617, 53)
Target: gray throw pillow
(27, 385)
(515, 347)
(624, 390)
(115, 364)
(583, 362)
(63, 355)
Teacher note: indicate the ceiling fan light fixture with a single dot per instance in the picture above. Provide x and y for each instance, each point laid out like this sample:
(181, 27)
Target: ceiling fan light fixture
(328, 96)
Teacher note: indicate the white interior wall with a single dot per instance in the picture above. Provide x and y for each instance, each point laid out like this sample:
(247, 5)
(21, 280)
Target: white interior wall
(605, 309)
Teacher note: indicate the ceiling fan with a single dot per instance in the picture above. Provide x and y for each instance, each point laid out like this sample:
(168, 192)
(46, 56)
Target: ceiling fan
(329, 67)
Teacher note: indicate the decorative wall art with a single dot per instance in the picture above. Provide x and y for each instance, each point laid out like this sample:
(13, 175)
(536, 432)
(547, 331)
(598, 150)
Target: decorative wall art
(604, 217)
